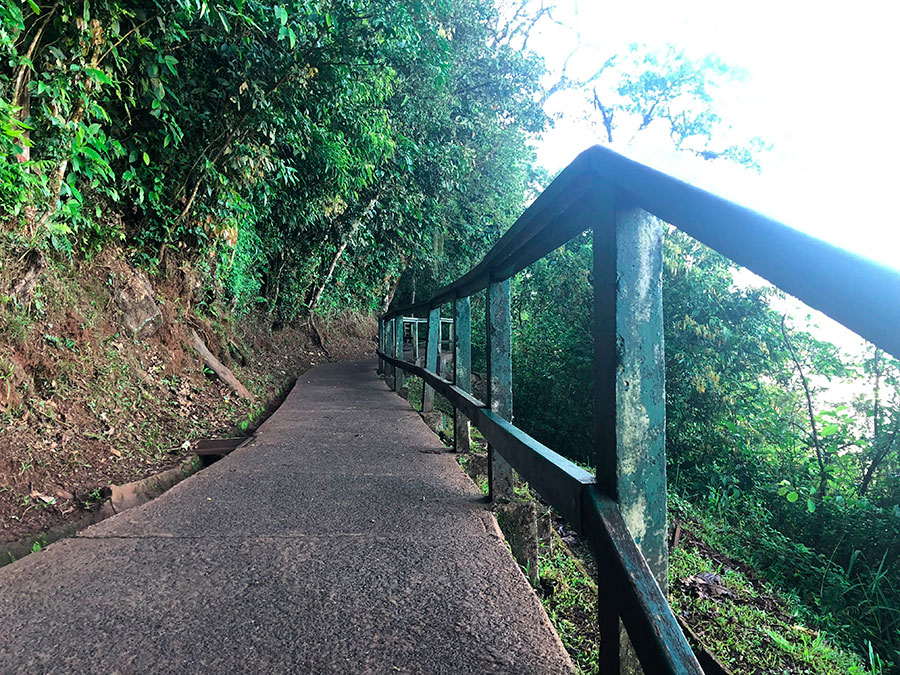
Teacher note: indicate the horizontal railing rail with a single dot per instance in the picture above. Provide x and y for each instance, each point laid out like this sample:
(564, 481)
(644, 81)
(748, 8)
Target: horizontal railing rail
(859, 293)
(622, 509)
(572, 492)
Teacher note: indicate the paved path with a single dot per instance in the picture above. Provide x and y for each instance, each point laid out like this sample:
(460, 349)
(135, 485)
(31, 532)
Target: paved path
(335, 542)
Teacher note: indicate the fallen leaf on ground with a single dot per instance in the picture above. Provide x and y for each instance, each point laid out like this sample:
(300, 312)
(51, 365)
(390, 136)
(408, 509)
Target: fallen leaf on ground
(707, 585)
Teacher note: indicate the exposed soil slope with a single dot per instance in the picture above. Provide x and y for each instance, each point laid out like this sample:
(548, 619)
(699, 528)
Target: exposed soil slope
(85, 402)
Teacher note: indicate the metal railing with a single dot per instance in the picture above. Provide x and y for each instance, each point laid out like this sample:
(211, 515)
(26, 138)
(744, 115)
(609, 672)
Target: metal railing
(410, 325)
(622, 510)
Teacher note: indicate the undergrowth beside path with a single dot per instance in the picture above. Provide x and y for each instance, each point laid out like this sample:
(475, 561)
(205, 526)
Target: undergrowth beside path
(742, 620)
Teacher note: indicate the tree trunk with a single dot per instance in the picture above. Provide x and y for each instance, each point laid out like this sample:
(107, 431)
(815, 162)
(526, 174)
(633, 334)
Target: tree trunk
(389, 296)
(21, 97)
(221, 371)
(817, 445)
(354, 225)
(886, 446)
(328, 274)
(22, 100)
(59, 174)
(822, 457)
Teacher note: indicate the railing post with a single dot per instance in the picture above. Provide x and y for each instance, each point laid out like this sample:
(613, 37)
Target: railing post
(398, 353)
(380, 344)
(441, 349)
(501, 480)
(629, 375)
(432, 347)
(462, 367)
(392, 350)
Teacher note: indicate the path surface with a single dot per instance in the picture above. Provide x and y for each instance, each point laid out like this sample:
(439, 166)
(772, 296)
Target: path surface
(335, 542)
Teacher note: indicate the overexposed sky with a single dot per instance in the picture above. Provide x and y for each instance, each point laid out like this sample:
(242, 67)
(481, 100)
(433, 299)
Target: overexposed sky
(821, 88)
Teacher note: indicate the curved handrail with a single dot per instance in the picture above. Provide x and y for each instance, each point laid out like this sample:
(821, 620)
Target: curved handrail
(859, 293)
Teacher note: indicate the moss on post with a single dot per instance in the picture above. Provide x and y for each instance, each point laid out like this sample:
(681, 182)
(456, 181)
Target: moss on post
(462, 365)
(431, 355)
(501, 479)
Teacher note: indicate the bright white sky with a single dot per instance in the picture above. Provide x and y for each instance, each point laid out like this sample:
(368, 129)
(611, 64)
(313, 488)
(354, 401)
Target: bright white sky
(822, 88)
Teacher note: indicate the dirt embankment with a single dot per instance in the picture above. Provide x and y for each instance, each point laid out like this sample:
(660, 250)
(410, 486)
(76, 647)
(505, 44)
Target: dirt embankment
(100, 384)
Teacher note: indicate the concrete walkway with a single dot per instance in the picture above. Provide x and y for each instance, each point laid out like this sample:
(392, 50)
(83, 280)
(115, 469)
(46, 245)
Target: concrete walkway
(335, 542)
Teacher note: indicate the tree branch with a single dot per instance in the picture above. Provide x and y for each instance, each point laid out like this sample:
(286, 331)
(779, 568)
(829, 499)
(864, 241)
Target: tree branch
(125, 37)
(823, 476)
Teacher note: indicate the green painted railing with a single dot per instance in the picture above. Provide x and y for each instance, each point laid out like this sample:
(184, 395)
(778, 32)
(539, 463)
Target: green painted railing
(622, 510)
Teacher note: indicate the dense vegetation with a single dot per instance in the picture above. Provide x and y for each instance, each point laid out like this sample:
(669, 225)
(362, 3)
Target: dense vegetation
(321, 154)
(299, 153)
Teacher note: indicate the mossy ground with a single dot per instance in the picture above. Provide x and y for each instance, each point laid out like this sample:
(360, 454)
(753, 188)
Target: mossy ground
(753, 629)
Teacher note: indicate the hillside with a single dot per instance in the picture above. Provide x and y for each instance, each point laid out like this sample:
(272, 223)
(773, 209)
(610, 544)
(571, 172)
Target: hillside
(86, 402)
(246, 174)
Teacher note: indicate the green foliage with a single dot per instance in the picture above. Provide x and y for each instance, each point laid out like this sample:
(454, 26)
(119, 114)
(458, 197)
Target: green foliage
(747, 630)
(673, 93)
(852, 598)
(569, 595)
(311, 150)
(553, 349)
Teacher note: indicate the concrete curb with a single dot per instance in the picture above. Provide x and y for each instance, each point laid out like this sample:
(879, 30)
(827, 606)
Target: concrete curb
(121, 498)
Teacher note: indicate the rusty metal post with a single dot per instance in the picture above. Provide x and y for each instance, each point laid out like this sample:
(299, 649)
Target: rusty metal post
(501, 479)
(629, 361)
(462, 367)
(432, 347)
